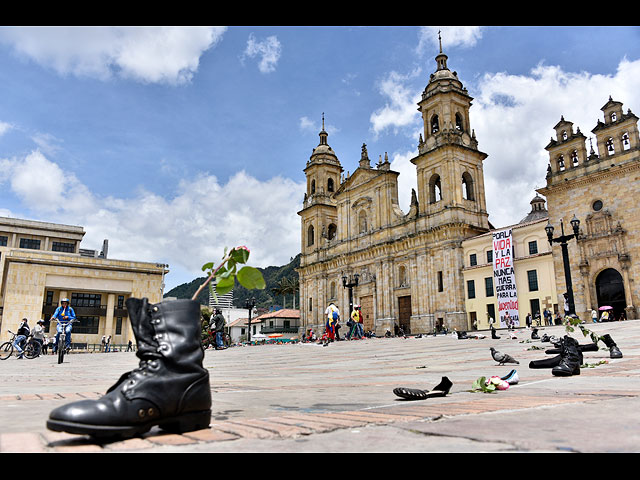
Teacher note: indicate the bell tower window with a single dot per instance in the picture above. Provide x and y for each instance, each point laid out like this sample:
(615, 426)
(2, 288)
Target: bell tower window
(313, 187)
(574, 158)
(435, 124)
(435, 189)
(330, 185)
(610, 148)
(626, 144)
(561, 165)
(310, 236)
(467, 186)
(458, 122)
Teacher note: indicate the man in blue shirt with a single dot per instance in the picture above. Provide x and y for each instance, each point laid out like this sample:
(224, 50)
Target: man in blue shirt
(64, 314)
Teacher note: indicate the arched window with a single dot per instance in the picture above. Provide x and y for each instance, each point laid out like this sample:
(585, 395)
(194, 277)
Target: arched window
(610, 148)
(435, 189)
(310, 236)
(362, 221)
(331, 232)
(574, 158)
(402, 276)
(564, 135)
(561, 165)
(459, 122)
(313, 187)
(330, 185)
(332, 290)
(626, 144)
(435, 124)
(613, 116)
(467, 186)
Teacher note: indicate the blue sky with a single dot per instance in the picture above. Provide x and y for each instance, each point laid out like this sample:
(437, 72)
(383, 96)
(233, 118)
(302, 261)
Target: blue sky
(176, 142)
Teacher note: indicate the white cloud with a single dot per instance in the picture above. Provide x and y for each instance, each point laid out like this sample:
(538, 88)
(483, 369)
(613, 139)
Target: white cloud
(4, 128)
(268, 50)
(187, 228)
(451, 37)
(400, 110)
(146, 54)
(513, 117)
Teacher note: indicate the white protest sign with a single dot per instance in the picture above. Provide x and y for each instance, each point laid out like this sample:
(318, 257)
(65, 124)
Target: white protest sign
(504, 277)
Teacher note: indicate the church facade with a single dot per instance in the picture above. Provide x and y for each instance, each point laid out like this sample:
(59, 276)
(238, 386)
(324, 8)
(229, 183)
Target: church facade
(359, 247)
(599, 187)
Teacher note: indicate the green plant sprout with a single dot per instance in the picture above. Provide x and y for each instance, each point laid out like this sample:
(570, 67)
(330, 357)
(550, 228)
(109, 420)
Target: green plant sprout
(226, 273)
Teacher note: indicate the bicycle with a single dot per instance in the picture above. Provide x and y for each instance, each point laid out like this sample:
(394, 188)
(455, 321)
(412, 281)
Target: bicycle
(62, 341)
(31, 347)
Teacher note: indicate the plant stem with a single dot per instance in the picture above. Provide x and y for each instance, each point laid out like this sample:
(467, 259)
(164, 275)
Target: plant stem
(213, 274)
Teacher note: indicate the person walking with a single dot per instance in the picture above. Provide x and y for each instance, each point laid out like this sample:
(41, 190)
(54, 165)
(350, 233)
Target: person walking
(108, 344)
(130, 346)
(38, 334)
(594, 316)
(21, 336)
(333, 316)
(356, 317)
(216, 323)
(103, 344)
(64, 315)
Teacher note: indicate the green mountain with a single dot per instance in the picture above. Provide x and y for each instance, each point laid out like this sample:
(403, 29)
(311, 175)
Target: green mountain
(264, 298)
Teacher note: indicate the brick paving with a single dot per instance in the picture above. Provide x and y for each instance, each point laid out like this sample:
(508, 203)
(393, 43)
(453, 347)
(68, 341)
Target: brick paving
(283, 406)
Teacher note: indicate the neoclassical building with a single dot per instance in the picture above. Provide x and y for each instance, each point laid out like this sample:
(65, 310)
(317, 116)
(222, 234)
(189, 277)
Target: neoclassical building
(600, 187)
(533, 265)
(42, 262)
(408, 265)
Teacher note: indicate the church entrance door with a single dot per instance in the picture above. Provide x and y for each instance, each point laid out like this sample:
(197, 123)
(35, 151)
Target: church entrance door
(610, 291)
(404, 313)
(366, 306)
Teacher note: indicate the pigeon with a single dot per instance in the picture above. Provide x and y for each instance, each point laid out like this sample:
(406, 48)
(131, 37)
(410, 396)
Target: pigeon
(502, 358)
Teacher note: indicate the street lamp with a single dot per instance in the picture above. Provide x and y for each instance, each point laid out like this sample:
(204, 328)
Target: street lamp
(249, 305)
(562, 240)
(350, 283)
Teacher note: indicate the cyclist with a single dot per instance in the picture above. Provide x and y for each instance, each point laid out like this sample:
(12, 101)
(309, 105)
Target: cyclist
(21, 336)
(64, 314)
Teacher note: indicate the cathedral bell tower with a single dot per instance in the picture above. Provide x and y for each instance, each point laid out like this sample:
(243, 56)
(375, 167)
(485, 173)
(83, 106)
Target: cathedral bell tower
(449, 164)
(319, 216)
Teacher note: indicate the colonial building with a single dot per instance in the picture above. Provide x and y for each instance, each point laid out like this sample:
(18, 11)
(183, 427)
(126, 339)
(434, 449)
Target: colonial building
(534, 271)
(408, 265)
(41, 263)
(600, 188)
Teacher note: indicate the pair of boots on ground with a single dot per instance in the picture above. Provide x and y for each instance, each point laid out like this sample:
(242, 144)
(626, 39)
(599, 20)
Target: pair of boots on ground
(170, 388)
(569, 357)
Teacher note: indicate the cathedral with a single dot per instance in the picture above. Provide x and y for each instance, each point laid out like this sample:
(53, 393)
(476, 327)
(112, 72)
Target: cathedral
(359, 247)
(408, 269)
(599, 188)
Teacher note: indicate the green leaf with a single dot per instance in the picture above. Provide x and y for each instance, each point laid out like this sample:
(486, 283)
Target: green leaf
(251, 278)
(225, 284)
(207, 266)
(240, 254)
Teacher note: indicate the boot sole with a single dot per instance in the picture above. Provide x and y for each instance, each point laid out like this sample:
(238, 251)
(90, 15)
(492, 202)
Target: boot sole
(187, 422)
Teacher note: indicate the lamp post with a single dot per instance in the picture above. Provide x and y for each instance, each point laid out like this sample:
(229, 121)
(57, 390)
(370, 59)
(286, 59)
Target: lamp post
(249, 305)
(562, 240)
(350, 283)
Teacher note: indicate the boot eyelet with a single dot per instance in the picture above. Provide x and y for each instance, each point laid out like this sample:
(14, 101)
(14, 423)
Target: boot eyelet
(150, 412)
(141, 413)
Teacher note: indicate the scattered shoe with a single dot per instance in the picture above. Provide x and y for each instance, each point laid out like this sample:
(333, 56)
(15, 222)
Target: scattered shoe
(614, 351)
(169, 389)
(511, 378)
(440, 390)
(534, 334)
(571, 359)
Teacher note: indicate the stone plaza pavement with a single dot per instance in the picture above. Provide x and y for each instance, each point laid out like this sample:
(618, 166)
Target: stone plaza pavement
(309, 398)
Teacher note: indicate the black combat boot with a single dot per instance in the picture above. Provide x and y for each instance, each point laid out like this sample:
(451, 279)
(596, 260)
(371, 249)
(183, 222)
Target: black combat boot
(534, 334)
(614, 351)
(571, 359)
(170, 388)
(554, 361)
